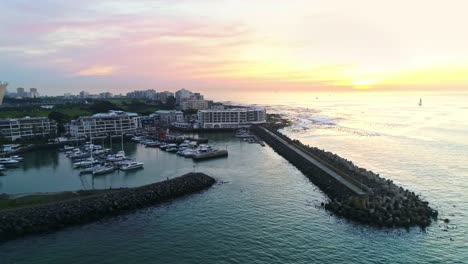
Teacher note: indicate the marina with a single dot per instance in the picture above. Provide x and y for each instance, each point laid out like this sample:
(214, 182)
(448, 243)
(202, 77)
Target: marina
(70, 168)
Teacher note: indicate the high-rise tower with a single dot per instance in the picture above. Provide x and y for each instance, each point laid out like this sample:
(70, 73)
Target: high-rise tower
(3, 86)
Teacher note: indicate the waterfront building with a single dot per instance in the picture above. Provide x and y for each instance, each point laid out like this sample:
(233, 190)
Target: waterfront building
(182, 95)
(3, 86)
(192, 104)
(231, 118)
(167, 117)
(104, 124)
(28, 127)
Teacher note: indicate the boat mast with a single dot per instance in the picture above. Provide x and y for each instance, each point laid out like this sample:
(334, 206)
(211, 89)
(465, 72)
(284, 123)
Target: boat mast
(121, 133)
(91, 140)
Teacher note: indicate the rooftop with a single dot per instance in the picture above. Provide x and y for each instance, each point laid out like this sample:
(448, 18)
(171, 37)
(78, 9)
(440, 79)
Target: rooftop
(168, 112)
(113, 113)
(233, 109)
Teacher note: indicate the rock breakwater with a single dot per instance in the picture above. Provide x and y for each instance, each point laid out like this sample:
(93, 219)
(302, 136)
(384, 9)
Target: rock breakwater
(49, 217)
(386, 203)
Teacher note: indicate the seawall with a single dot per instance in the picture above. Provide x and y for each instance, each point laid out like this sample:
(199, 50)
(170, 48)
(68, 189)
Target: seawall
(48, 217)
(386, 203)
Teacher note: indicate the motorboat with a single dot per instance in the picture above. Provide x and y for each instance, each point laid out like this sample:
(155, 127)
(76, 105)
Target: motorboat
(85, 163)
(2, 167)
(82, 164)
(168, 146)
(67, 148)
(78, 155)
(16, 157)
(119, 156)
(88, 170)
(136, 139)
(188, 153)
(8, 161)
(153, 144)
(103, 169)
(101, 151)
(91, 147)
(173, 149)
(131, 166)
(123, 162)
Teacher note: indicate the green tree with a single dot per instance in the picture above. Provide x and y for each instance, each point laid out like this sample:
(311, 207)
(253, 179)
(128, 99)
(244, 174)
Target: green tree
(60, 119)
(170, 103)
(102, 107)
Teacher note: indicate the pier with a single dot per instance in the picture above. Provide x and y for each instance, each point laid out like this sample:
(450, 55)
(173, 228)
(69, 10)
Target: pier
(352, 185)
(355, 193)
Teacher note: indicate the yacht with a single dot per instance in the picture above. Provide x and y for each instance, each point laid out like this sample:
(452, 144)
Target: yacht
(173, 149)
(131, 165)
(137, 139)
(67, 148)
(103, 169)
(188, 153)
(2, 167)
(153, 144)
(88, 170)
(16, 157)
(8, 161)
(79, 154)
(85, 163)
(168, 146)
(116, 157)
(101, 151)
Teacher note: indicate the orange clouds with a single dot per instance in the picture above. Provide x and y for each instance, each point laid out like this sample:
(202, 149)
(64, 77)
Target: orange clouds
(97, 71)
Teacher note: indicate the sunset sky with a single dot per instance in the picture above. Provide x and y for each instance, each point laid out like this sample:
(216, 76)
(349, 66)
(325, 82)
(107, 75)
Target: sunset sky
(115, 45)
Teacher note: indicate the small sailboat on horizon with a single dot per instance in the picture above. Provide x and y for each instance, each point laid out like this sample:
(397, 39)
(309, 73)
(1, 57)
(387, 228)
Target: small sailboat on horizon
(420, 102)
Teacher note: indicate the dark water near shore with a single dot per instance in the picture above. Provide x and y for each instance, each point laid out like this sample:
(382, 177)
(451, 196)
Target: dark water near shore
(267, 211)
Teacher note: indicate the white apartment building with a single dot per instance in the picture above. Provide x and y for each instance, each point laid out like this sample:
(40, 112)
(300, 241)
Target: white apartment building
(195, 105)
(104, 124)
(182, 95)
(231, 118)
(27, 127)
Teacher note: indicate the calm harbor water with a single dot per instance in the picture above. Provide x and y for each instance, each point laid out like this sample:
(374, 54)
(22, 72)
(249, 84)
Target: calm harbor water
(267, 211)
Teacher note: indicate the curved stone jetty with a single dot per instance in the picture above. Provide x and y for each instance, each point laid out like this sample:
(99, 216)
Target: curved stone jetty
(357, 194)
(48, 217)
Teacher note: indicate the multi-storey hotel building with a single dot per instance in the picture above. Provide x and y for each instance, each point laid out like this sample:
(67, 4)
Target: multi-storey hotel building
(28, 127)
(231, 118)
(104, 124)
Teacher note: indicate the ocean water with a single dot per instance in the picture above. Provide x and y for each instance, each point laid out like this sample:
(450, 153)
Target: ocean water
(266, 211)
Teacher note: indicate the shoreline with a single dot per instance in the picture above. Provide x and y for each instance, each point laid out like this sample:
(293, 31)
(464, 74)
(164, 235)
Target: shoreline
(48, 217)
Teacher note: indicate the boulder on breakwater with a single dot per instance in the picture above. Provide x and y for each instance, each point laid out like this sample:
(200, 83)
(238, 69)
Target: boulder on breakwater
(48, 217)
(386, 205)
